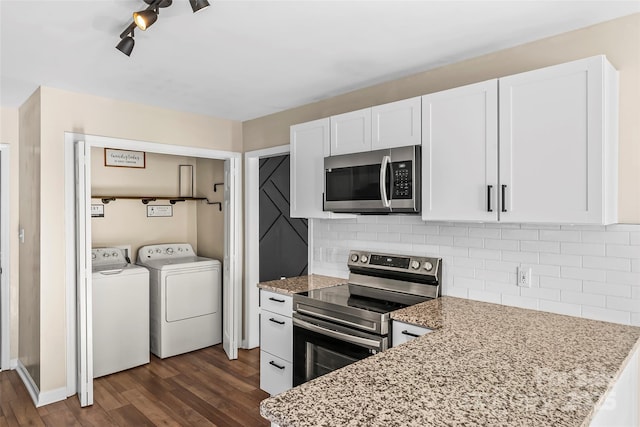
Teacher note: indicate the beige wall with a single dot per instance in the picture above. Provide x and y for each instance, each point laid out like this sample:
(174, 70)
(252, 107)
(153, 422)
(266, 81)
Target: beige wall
(9, 135)
(66, 111)
(619, 40)
(30, 292)
(125, 221)
(210, 219)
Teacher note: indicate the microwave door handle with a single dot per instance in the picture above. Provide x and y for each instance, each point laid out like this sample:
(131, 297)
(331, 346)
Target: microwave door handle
(386, 160)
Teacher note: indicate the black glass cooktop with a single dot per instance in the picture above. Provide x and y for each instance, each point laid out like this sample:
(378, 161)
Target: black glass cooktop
(349, 295)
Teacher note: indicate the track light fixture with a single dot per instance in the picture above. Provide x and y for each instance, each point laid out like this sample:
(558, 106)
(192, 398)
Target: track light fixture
(143, 19)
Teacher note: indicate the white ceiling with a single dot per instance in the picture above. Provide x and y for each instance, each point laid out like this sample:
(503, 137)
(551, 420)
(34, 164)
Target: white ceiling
(244, 59)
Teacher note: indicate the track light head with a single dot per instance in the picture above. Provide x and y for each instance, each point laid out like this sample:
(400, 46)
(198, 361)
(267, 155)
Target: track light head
(197, 5)
(145, 18)
(126, 45)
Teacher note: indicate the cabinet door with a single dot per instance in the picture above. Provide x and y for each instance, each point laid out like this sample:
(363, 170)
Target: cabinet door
(351, 132)
(404, 332)
(460, 153)
(552, 153)
(309, 146)
(396, 124)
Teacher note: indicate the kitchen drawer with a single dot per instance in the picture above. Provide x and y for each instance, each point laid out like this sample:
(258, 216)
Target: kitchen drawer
(276, 335)
(403, 332)
(276, 375)
(276, 303)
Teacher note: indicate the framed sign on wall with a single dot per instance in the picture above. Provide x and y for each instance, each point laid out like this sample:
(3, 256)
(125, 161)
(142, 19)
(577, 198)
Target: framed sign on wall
(124, 158)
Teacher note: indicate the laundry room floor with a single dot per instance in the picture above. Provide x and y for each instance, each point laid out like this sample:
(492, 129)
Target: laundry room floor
(198, 388)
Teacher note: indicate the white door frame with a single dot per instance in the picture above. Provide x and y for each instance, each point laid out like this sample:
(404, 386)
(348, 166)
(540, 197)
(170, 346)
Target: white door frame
(5, 259)
(152, 147)
(252, 243)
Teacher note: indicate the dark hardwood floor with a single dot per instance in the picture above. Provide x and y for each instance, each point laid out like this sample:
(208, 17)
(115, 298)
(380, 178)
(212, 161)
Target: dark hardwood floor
(202, 388)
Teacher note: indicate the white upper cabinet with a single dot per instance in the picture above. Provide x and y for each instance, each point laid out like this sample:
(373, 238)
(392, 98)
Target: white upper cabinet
(460, 153)
(396, 124)
(309, 146)
(351, 132)
(558, 144)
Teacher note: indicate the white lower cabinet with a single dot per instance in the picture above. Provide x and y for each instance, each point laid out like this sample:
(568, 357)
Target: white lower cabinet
(403, 332)
(276, 342)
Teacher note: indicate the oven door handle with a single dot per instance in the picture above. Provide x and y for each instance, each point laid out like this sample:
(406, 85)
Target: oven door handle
(338, 335)
(333, 319)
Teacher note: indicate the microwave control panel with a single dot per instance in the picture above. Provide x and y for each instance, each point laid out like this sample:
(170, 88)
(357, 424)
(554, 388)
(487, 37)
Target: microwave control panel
(402, 180)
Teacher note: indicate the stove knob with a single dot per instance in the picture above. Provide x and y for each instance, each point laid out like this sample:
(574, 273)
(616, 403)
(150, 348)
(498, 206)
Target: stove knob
(415, 265)
(114, 254)
(354, 258)
(158, 251)
(170, 251)
(364, 258)
(106, 255)
(428, 266)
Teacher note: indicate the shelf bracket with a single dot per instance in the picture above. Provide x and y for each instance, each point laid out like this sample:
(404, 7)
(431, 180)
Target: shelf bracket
(214, 203)
(174, 201)
(146, 200)
(106, 200)
(215, 186)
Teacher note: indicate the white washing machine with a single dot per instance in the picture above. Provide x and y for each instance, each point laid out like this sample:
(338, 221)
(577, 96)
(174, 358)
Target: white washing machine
(186, 291)
(120, 312)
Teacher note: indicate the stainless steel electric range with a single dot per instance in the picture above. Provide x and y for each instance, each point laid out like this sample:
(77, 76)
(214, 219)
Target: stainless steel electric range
(336, 326)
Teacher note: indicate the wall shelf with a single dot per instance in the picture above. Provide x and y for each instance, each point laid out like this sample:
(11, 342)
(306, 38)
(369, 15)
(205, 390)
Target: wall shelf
(146, 199)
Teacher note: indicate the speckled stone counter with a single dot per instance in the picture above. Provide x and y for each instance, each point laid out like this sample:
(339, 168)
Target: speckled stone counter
(484, 365)
(293, 285)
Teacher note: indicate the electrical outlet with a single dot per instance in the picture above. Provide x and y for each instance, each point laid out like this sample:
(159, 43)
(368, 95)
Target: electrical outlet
(524, 276)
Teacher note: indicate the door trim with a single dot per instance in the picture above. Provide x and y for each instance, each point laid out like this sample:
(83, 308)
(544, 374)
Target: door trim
(252, 241)
(70, 245)
(5, 258)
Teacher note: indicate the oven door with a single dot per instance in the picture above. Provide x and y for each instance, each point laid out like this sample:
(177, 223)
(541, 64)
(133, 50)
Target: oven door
(320, 347)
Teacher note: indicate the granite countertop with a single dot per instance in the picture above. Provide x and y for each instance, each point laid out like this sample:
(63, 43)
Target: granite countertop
(294, 285)
(485, 364)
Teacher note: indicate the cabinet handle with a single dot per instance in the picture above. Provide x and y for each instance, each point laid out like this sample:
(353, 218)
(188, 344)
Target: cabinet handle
(489, 188)
(272, 363)
(276, 321)
(504, 191)
(411, 334)
(276, 299)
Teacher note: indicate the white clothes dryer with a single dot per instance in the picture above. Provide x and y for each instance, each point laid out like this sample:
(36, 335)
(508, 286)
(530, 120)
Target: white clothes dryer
(185, 297)
(120, 312)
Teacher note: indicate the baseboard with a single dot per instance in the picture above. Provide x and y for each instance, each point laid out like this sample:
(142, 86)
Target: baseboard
(39, 399)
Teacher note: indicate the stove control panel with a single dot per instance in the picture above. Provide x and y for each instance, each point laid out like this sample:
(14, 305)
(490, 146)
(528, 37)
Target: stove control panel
(427, 266)
(108, 256)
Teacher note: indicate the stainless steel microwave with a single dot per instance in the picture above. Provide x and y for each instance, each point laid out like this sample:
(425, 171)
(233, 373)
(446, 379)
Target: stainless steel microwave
(381, 181)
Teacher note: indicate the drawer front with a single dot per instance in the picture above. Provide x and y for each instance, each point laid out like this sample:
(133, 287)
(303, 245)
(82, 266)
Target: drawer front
(403, 332)
(276, 375)
(276, 303)
(276, 335)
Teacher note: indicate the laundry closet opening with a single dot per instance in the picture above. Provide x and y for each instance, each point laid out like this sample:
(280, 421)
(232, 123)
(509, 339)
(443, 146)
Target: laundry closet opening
(163, 213)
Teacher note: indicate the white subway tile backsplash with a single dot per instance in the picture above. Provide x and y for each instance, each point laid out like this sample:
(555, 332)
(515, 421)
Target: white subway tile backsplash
(583, 274)
(623, 251)
(606, 288)
(492, 233)
(520, 234)
(606, 315)
(540, 246)
(560, 307)
(562, 284)
(582, 248)
(560, 235)
(583, 298)
(620, 237)
(588, 271)
(623, 278)
(606, 263)
(509, 245)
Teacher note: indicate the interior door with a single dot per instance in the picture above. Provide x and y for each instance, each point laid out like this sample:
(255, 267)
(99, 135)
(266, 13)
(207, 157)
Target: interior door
(231, 263)
(83, 274)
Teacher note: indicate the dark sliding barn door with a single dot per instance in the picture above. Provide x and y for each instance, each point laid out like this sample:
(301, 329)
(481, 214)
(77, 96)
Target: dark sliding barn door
(283, 240)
